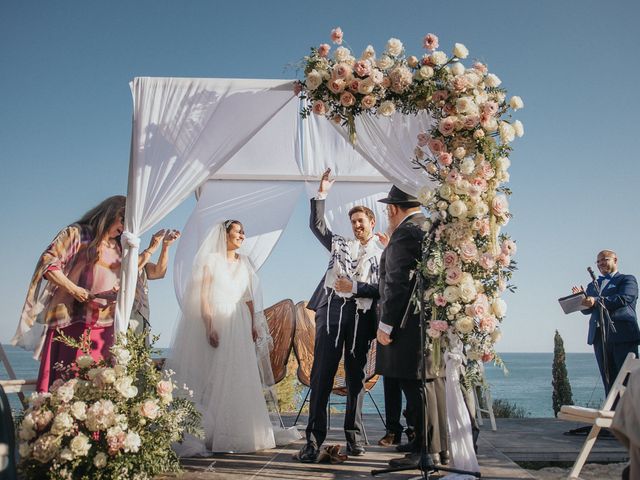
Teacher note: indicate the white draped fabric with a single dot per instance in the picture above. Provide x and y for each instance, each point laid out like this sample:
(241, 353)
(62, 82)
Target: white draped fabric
(171, 155)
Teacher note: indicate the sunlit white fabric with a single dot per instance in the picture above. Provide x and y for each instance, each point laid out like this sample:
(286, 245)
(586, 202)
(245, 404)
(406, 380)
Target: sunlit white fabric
(183, 131)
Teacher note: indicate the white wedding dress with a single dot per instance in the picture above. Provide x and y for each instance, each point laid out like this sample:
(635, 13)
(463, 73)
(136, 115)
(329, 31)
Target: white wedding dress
(226, 380)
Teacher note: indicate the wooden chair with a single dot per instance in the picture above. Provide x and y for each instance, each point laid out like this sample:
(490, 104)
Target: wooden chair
(303, 344)
(281, 319)
(599, 418)
(14, 384)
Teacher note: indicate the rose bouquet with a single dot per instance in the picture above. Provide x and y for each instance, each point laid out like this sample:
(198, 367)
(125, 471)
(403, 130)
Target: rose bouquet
(108, 419)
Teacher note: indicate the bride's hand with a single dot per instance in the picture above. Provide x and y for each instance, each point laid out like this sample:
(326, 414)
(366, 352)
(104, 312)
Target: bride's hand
(214, 338)
(254, 333)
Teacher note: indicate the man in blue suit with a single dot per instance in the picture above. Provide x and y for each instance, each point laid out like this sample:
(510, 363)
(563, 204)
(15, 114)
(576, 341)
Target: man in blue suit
(619, 294)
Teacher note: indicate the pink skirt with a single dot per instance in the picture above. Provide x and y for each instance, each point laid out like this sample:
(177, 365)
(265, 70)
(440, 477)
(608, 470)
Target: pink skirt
(54, 351)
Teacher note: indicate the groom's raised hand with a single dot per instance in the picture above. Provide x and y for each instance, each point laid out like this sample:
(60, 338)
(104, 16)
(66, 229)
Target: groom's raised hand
(325, 183)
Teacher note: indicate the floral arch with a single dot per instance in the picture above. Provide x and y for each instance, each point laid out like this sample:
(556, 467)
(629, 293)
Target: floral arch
(466, 155)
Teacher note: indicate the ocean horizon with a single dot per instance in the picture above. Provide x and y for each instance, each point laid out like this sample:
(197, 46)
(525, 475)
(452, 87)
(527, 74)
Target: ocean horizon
(527, 384)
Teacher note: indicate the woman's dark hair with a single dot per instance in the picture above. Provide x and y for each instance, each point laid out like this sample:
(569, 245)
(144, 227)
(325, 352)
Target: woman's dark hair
(229, 223)
(100, 218)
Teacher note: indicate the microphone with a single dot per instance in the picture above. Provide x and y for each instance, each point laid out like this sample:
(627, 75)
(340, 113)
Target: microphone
(590, 270)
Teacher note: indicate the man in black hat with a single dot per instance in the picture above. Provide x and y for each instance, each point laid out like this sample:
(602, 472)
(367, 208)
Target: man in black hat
(399, 354)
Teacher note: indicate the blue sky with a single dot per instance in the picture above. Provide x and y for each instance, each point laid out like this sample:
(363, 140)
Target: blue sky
(65, 120)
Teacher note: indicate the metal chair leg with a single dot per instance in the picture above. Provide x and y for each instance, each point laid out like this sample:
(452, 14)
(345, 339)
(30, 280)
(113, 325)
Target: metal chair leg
(295, 422)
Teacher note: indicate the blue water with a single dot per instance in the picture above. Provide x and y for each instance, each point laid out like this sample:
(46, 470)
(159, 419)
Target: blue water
(528, 383)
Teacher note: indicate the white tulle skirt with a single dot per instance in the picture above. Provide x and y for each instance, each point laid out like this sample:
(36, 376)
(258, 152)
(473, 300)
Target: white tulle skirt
(225, 381)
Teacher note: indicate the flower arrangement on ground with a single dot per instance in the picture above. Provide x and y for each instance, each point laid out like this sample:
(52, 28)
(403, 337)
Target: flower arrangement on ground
(108, 419)
(469, 263)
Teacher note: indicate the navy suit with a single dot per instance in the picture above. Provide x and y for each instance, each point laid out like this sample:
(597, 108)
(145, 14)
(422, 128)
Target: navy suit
(619, 297)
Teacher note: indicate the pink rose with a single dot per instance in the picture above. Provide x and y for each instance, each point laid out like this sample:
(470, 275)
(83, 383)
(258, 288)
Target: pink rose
(453, 275)
(490, 108)
(297, 88)
(449, 109)
(368, 101)
(460, 83)
(386, 82)
(468, 252)
(323, 50)
(499, 205)
(484, 229)
(150, 409)
(479, 182)
(450, 259)
(480, 67)
(423, 139)
(433, 333)
(336, 36)
(436, 145)
(445, 159)
(337, 86)
(440, 301)
(439, 325)
(487, 261)
(504, 260)
(485, 170)
(508, 247)
(447, 126)
(347, 99)
(362, 68)
(427, 60)
(470, 121)
(354, 85)
(488, 324)
(453, 177)
(430, 42)
(440, 96)
(319, 108)
(341, 71)
(164, 387)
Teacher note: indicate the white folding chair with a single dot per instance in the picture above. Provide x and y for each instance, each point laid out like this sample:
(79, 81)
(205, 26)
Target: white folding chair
(488, 401)
(599, 418)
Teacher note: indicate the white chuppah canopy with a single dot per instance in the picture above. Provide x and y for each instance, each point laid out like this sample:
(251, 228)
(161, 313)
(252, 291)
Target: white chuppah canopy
(243, 146)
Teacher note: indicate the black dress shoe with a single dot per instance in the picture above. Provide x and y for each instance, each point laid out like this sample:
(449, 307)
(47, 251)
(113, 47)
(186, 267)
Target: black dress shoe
(390, 439)
(355, 450)
(444, 457)
(407, 447)
(308, 453)
(411, 460)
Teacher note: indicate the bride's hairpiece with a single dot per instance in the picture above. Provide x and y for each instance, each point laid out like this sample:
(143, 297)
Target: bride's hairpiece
(228, 223)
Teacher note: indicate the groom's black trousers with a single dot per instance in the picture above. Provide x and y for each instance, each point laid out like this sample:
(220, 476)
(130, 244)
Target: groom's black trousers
(326, 358)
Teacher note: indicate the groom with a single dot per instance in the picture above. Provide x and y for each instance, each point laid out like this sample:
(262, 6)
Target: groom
(345, 305)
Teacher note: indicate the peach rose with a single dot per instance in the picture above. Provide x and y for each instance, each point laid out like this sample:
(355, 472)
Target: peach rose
(336, 36)
(430, 42)
(488, 324)
(453, 275)
(341, 71)
(447, 126)
(423, 139)
(337, 86)
(445, 159)
(319, 108)
(323, 50)
(468, 251)
(487, 261)
(436, 145)
(362, 68)
(450, 259)
(499, 205)
(368, 101)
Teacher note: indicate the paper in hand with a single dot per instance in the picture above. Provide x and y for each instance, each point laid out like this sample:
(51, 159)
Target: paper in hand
(573, 303)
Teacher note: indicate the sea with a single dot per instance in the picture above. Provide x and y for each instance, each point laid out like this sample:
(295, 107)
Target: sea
(527, 385)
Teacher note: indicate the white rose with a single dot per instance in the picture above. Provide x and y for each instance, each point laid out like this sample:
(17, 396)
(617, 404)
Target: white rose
(518, 128)
(108, 375)
(442, 205)
(480, 209)
(386, 108)
(460, 51)
(516, 103)
(454, 309)
(458, 209)
(468, 292)
(507, 132)
(464, 324)
(62, 424)
(84, 361)
(425, 72)
(451, 294)
(457, 68)
(499, 308)
(496, 335)
(425, 195)
(150, 409)
(445, 191)
(80, 445)
(474, 79)
(341, 54)
(462, 188)
(314, 80)
(394, 47)
(100, 460)
(503, 163)
(125, 388)
(132, 442)
(26, 433)
(66, 455)
(460, 153)
(439, 58)
(490, 125)
(467, 166)
(384, 62)
(466, 105)
(492, 80)
(369, 53)
(65, 392)
(79, 410)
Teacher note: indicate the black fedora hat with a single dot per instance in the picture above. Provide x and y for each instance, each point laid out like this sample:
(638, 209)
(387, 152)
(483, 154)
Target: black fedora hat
(398, 197)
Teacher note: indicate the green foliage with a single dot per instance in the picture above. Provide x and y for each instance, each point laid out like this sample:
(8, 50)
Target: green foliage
(560, 381)
(505, 409)
(289, 389)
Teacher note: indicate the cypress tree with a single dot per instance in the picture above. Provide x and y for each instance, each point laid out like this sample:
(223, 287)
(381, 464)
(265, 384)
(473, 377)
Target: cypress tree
(561, 386)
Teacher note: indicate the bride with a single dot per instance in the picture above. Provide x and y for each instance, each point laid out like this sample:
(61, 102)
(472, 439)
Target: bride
(221, 348)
